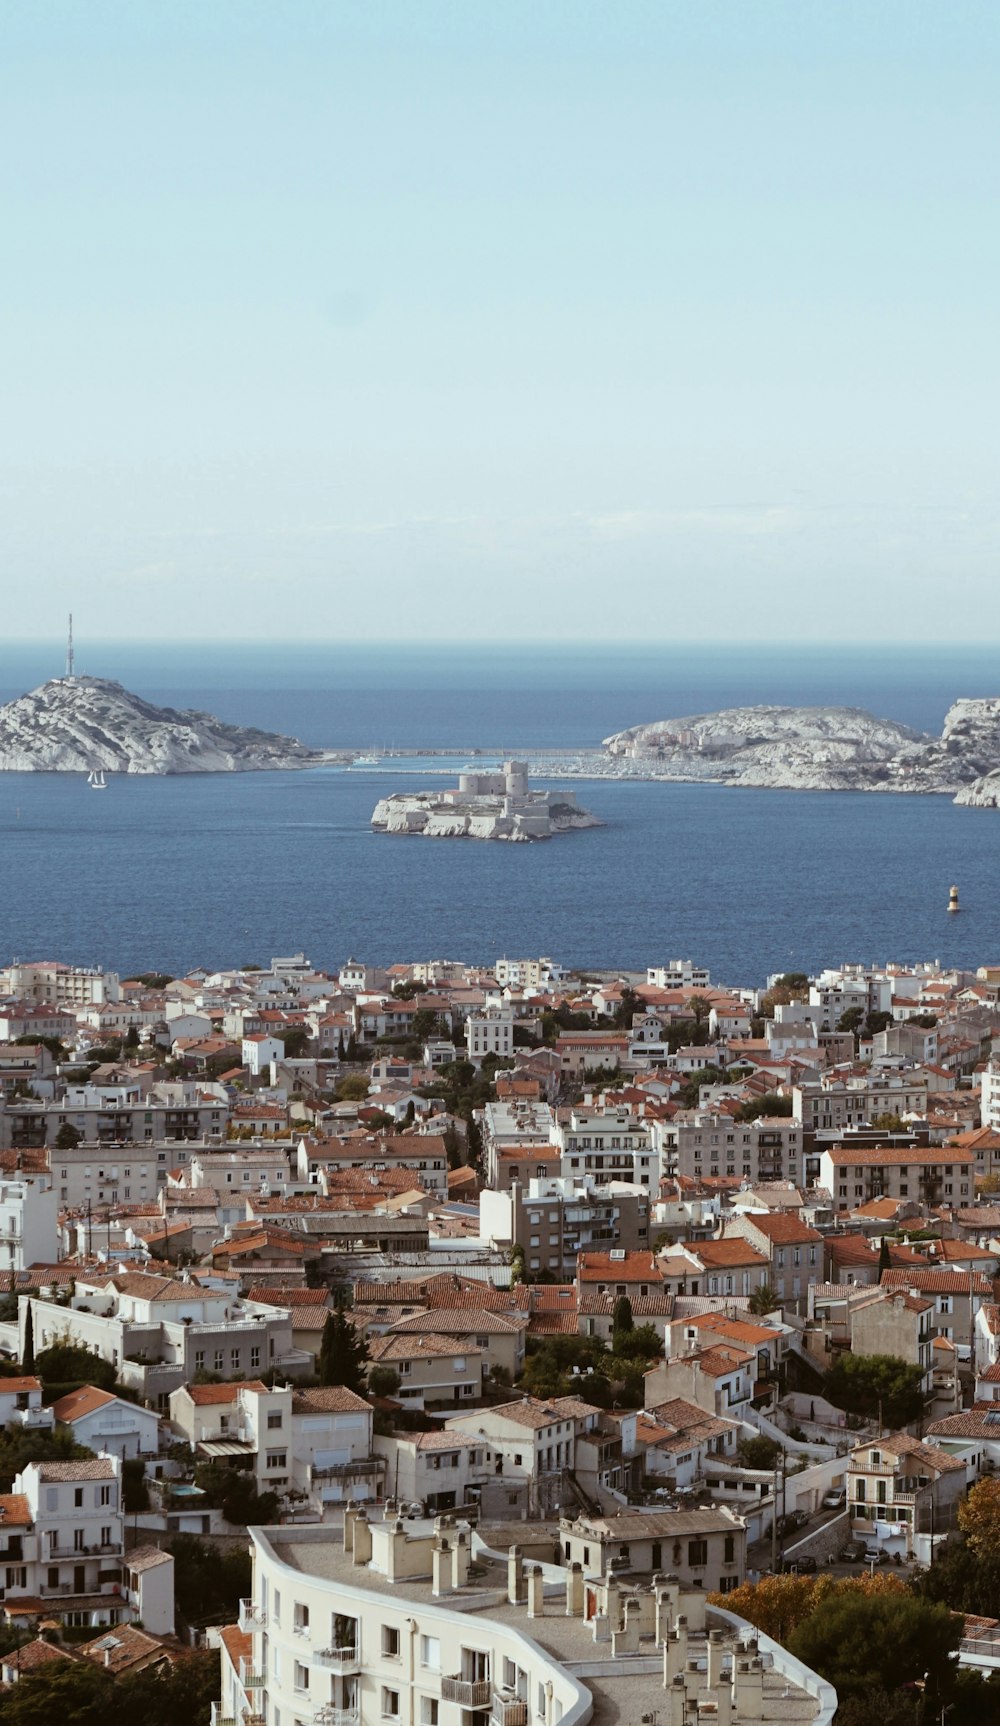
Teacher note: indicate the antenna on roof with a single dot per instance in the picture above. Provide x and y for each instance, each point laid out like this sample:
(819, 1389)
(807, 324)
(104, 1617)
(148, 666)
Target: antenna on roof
(69, 648)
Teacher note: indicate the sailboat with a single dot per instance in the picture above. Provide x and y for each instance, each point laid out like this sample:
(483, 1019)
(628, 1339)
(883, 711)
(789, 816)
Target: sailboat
(97, 781)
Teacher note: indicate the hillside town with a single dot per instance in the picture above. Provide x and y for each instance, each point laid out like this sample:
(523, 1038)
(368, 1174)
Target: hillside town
(461, 1344)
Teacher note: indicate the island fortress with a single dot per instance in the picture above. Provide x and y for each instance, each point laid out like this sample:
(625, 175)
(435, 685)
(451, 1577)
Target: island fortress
(484, 806)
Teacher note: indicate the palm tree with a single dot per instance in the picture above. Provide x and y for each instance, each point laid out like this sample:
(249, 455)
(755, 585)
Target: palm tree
(763, 1300)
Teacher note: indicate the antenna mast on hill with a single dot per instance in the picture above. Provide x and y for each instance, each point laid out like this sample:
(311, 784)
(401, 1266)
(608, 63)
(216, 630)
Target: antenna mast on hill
(69, 648)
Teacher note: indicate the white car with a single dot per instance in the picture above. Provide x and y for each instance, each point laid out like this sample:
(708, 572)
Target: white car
(835, 1499)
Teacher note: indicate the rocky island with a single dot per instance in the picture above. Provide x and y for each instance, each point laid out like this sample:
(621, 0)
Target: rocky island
(484, 806)
(92, 724)
(823, 749)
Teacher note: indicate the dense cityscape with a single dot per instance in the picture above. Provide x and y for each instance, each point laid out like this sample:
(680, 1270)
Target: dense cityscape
(619, 1340)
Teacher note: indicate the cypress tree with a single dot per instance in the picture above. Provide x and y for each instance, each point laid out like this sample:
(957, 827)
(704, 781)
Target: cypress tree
(28, 1355)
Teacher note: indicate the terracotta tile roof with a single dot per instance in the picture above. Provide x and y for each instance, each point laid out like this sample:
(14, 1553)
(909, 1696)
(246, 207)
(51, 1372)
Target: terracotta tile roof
(529, 1412)
(876, 1156)
(459, 1322)
(783, 1229)
(15, 1511)
(34, 1655)
(721, 1359)
(80, 1402)
(724, 1254)
(125, 1646)
(628, 1267)
(901, 1445)
(8, 1386)
(146, 1558)
(328, 1399)
(982, 1420)
(395, 1347)
(275, 1295)
(643, 1306)
(100, 1468)
(932, 1281)
(237, 1643)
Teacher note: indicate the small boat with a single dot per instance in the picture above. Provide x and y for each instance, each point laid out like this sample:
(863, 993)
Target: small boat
(97, 781)
(367, 761)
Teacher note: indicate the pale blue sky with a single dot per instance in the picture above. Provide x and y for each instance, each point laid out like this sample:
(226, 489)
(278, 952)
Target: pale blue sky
(554, 318)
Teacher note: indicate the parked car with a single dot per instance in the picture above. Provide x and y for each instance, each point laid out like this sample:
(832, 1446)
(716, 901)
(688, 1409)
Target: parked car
(835, 1499)
(853, 1552)
(793, 1520)
(803, 1566)
(878, 1553)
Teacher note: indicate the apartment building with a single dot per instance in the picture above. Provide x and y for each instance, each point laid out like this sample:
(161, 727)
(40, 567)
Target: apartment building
(62, 1530)
(424, 1153)
(899, 1488)
(108, 1424)
(606, 1144)
(515, 1125)
(390, 1627)
(553, 1220)
(29, 1223)
(438, 1470)
(857, 1101)
(932, 1174)
(700, 1142)
(794, 1251)
(489, 1032)
(159, 1332)
(532, 1445)
(435, 1371)
(72, 985)
(117, 1119)
(499, 1337)
(956, 1296)
(896, 1322)
(703, 1548)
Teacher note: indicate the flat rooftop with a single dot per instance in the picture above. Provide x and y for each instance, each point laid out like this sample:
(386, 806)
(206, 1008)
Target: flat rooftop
(627, 1688)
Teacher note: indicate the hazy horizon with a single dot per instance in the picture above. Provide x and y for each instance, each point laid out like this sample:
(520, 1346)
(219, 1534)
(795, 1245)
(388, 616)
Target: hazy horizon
(569, 321)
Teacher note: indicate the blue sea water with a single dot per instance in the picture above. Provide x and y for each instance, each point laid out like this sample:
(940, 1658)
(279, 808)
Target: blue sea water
(224, 869)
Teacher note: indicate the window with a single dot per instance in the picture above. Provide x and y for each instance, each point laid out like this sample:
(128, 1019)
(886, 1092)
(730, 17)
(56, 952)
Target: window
(274, 1422)
(78, 1497)
(697, 1553)
(729, 1551)
(390, 1703)
(105, 1536)
(255, 1355)
(277, 1459)
(429, 1711)
(301, 1676)
(234, 1359)
(430, 1653)
(220, 1359)
(78, 1540)
(104, 1496)
(390, 1643)
(300, 1618)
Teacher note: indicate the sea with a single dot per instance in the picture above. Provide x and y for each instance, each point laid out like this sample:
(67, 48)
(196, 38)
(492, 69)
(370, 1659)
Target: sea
(229, 869)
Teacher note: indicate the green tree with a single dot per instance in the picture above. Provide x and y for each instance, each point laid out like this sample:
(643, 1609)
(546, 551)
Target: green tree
(76, 1693)
(185, 1691)
(352, 1088)
(68, 1137)
(759, 1452)
(132, 1037)
(19, 1446)
(343, 1353)
(28, 1354)
(772, 1103)
(383, 1380)
(870, 1384)
(622, 1322)
(763, 1300)
(884, 1257)
(65, 1363)
(882, 1641)
(234, 1492)
(295, 1041)
(208, 1583)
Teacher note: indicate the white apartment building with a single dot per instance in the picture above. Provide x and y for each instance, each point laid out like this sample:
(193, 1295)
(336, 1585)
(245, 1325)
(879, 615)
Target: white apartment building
(607, 1144)
(64, 1542)
(989, 1113)
(72, 985)
(509, 1126)
(390, 1627)
(21, 1404)
(490, 1032)
(316, 1442)
(108, 1424)
(29, 1223)
(160, 1331)
(532, 1444)
(438, 1470)
(525, 973)
(678, 974)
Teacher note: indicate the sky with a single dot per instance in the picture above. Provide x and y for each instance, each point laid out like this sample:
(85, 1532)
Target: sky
(551, 320)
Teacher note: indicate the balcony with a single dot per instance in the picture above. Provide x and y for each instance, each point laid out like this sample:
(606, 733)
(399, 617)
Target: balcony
(467, 1692)
(330, 1716)
(250, 1678)
(219, 1718)
(338, 1659)
(252, 1617)
(509, 1711)
(368, 1465)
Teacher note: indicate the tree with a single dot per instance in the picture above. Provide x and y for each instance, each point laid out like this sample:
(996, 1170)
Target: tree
(763, 1301)
(873, 1384)
(383, 1380)
(979, 1519)
(772, 1103)
(295, 1041)
(234, 1492)
(852, 1020)
(28, 1353)
(66, 1363)
(77, 1693)
(622, 1322)
(132, 1037)
(208, 1583)
(759, 1452)
(68, 1137)
(880, 1642)
(343, 1353)
(884, 1257)
(19, 1446)
(352, 1088)
(888, 1123)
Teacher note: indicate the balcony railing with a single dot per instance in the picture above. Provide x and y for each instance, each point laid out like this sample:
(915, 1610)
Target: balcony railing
(250, 1678)
(509, 1711)
(220, 1717)
(330, 1716)
(467, 1692)
(338, 1659)
(252, 1617)
(339, 1470)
